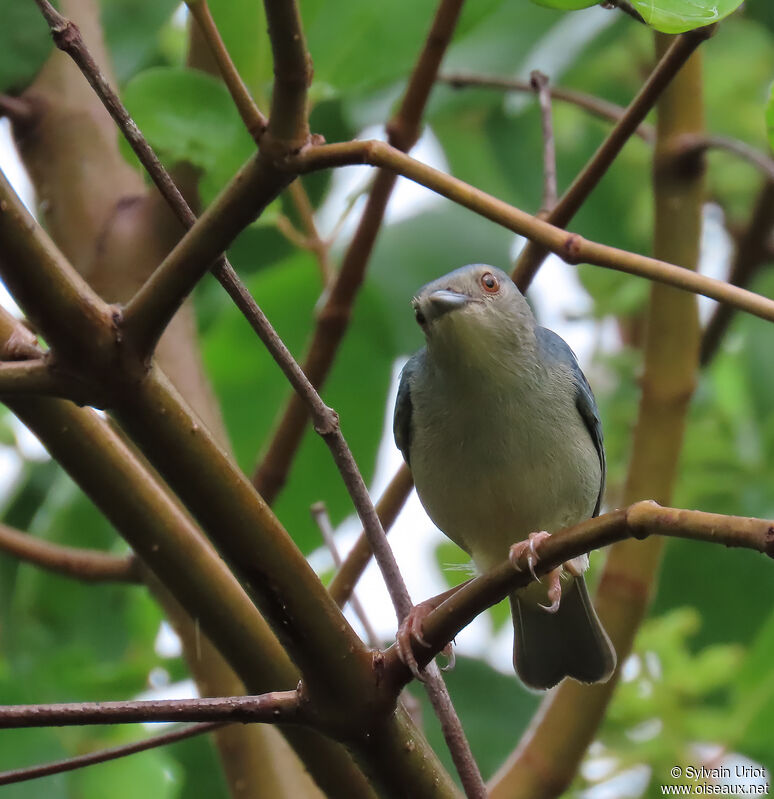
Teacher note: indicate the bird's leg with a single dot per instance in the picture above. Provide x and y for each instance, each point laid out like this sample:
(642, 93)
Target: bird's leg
(411, 628)
(529, 547)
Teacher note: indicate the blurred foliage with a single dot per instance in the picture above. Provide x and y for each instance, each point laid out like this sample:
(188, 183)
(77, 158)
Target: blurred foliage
(24, 44)
(667, 16)
(702, 668)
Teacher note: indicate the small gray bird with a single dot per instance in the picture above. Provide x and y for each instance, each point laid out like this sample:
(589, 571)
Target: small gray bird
(503, 437)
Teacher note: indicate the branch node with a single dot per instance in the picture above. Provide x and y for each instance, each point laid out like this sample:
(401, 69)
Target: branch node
(327, 423)
(571, 249)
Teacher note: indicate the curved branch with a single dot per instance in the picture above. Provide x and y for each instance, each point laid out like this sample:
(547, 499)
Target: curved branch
(105, 755)
(570, 247)
(88, 565)
(639, 521)
(278, 707)
(588, 102)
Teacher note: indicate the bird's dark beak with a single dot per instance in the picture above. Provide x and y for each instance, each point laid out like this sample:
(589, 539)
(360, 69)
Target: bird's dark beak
(430, 307)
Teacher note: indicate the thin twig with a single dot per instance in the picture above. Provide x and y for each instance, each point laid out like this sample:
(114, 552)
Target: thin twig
(251, 115)
(334, 316)
(588, 102)
(639, 521)
(751, 253)
(105, 755)
(88, 565)
(388, 507)
(278, 707)
(315, 243)
(570, 247)
(539, 83)
(669, 65)
(692, 144)
(320, 515)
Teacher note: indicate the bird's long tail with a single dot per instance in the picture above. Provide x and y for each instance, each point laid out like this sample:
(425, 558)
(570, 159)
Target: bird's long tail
(568, 643)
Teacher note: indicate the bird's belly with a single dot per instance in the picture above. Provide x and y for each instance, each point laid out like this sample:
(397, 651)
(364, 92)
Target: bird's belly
(488, 494)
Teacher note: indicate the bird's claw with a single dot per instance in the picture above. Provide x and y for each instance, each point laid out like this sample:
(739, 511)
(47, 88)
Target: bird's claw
(554, 591)
(529, 546)
(451, 658)
(411, 628)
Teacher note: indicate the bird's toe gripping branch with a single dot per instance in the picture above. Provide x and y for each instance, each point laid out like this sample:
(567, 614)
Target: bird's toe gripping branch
(411, 628)
(528, 549)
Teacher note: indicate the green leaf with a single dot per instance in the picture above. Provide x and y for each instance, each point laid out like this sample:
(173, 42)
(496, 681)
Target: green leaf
(24, 44)
(678, 16)
(133, 29)
(188, 116)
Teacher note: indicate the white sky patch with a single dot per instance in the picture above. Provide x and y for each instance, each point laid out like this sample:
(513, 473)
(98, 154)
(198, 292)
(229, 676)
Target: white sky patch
(715, 253)
(12, 167)
(167, 643)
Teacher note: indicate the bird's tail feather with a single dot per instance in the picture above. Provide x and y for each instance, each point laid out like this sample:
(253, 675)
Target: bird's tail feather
(568, 643)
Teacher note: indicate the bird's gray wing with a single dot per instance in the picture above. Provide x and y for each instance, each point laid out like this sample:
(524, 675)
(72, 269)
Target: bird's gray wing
(401, 425)
(556, 348)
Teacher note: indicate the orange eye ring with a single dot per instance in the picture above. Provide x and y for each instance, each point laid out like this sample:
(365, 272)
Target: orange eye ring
(490, 283)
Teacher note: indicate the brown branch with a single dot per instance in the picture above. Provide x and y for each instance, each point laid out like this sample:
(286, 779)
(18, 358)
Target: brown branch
(693, 144)
(279, 707)
(314, 241)
(626, 7)
(751, 253)
(588, 102)
(388, 507)
(333, 318)
(251, 115)
(668, 66)
(288, 122)
(38, 376)
(88, 565)
(539, 83)
(638, 521)
(105, 755)
(570, 247)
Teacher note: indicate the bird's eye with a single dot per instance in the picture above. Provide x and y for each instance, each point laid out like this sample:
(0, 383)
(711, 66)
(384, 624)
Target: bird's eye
(420, 317)
(490, 283)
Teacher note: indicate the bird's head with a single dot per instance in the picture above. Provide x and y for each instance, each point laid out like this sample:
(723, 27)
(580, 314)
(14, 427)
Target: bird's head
(473, 313)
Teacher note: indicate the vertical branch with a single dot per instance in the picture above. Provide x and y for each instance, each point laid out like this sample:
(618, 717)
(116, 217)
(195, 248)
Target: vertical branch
(333, 318)
(539, 83)
(288, 121)
(548, 757)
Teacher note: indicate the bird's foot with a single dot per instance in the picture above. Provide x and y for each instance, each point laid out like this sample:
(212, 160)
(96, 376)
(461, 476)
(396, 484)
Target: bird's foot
(527, 547)
(411, 628)
(554, 590)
